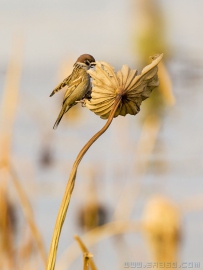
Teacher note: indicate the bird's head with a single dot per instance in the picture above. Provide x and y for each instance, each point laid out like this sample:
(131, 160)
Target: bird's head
(86, 60)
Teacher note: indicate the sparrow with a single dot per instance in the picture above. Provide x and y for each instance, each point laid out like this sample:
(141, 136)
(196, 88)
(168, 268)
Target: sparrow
(78, 83)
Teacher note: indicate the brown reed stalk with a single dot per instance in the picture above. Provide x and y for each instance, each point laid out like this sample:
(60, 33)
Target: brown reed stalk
(29, 216)
(7, 117)
(96, 235)
(10, 97)
(87, 255)
(69, 188)
(86, 260)
(7, 228)
(9, 104)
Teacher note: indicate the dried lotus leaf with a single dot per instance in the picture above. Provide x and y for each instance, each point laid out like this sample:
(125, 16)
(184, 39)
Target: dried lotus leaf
(132, 88)
(128, 108)
(141, 80)
(136, 82)
(146, 93)
(96, 95)
(134, 107)
(120, 77)
(154, 83)
(104, 91)
(102, 86)
(147, 73)
(100, 77)
(105, 114)
(96, 107)
(123, 110)
(117, 113)
(100, 101)
(132, 75)
(102, 95)
(111, 73)
(137, 90)
(107, 67)
(138, 101)
(103, 82)
(106, 74)
(125, 72)
(156, 59)
(104, 107)
(103, 111)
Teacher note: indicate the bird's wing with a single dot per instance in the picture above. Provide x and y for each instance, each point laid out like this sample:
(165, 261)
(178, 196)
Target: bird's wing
(61, 85)
(72, 86)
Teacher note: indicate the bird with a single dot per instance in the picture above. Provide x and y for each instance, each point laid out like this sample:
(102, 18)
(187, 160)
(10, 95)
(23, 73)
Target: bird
(78, 85)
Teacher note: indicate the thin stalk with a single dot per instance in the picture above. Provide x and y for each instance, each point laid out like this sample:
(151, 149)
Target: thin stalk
(95, 236)
(10, 98)
(7, 117)
(85, 252)
(69, 189)
(86, 260)
(28, 213)
(7, 257)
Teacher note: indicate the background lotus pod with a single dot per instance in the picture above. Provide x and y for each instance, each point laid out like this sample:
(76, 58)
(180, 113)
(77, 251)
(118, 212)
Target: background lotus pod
(162, 229)
(132, 87)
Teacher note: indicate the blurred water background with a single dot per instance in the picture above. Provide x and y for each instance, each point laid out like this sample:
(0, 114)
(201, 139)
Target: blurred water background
(52, 35)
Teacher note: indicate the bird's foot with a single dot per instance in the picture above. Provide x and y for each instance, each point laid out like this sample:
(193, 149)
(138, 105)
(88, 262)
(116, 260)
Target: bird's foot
(82, 101)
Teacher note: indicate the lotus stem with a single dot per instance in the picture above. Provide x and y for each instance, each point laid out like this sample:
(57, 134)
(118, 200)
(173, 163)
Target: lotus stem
(69, 188)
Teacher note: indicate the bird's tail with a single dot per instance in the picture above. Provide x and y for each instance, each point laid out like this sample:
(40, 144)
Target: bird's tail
(60, 117)
(58, 88)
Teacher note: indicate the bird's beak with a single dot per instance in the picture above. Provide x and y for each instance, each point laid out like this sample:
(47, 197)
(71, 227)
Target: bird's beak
(93, 64)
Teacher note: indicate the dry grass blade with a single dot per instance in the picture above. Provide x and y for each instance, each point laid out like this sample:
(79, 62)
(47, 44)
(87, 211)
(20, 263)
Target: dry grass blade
(7, 117)
(27, 209)
(85, 252)
(7, 227)
(94, 236)
(69, 189)
(9, 100)
(86, 260)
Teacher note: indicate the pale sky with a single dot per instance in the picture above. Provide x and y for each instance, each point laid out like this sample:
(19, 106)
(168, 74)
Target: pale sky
(56, 29)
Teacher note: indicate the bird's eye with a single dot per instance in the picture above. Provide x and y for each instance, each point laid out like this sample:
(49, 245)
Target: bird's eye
(87, 62)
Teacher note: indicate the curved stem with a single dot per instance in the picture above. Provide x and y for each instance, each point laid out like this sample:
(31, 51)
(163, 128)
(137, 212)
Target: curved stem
(69, 188)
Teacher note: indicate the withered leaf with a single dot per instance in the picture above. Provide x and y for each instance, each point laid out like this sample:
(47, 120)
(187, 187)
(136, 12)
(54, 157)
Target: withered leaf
(132, 87)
